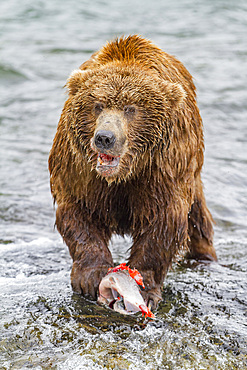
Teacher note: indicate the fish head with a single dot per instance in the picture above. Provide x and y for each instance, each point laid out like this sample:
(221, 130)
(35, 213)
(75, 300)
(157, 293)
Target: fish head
(108, 290)
(120, 291)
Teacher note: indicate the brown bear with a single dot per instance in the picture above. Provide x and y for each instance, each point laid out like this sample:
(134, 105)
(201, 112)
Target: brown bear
(127, 159)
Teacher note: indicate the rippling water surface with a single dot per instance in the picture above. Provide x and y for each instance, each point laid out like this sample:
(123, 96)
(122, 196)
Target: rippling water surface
(202, 321)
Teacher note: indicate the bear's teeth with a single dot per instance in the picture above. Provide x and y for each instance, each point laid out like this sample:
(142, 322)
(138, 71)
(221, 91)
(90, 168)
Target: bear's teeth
(107, 160)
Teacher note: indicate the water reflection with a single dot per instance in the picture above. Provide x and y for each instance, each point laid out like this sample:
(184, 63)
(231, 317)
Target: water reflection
(198, 323)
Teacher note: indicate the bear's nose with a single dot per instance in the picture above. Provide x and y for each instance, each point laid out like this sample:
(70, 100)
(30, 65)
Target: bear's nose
(104, 139)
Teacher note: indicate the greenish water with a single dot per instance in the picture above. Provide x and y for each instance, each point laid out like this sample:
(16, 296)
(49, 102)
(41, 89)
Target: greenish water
(202, 321)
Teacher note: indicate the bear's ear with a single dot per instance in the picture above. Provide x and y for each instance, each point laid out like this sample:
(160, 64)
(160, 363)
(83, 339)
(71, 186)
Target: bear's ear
(76, 80)
(174, 94)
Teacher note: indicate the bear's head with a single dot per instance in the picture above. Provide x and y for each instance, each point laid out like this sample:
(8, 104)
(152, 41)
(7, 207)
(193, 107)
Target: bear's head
(119, 114)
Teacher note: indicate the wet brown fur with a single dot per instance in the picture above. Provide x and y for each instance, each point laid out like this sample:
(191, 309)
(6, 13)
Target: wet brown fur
(157, 195)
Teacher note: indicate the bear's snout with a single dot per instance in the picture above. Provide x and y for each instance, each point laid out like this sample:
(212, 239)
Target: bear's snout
(104, 139)
(109, 142)
(109, 136)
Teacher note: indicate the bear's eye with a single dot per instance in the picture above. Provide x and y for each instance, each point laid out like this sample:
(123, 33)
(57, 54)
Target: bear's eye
(129, 110)
(98, 108)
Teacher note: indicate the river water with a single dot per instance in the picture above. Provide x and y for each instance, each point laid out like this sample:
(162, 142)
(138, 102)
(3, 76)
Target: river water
(202, 321)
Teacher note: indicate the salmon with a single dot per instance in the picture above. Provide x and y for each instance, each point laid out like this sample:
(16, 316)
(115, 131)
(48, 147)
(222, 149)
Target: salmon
(120, 291)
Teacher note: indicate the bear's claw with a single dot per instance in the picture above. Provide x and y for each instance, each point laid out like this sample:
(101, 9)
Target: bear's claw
(85, 280)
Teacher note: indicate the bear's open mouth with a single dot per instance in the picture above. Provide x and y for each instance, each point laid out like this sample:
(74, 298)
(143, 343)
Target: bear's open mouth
(106, 162)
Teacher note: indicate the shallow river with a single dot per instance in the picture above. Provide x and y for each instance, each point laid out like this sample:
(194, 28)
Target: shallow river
(202, 321)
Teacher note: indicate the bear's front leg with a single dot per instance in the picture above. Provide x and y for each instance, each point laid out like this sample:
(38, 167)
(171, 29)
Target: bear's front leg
(152, 260)
(88, 248)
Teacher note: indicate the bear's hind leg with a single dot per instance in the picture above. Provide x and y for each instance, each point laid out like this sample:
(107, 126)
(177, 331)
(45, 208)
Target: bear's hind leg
(200, 228)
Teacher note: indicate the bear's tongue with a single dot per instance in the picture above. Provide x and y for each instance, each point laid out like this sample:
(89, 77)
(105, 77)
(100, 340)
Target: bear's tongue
(107, 160)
